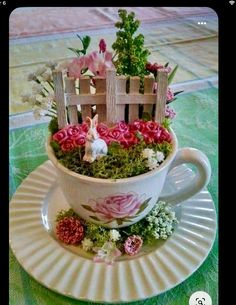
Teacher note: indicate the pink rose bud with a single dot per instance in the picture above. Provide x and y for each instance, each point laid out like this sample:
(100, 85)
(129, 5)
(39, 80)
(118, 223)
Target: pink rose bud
(102, 46)
(133, 244)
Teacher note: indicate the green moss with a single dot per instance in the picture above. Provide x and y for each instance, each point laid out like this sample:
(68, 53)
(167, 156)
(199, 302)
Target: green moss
(53, 125)
(117, 164)
(66, 213)
(158, 224)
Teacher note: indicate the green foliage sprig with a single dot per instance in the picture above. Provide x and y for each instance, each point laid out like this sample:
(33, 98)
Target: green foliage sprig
(158, 224)
(85, 44)
(130, 54)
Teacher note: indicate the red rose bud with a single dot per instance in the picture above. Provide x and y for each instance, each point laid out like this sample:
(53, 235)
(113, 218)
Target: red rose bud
(102, 46)
(149, 67)
(70, 230)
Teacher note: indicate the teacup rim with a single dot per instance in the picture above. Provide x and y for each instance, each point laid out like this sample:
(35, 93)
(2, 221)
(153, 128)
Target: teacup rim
(149, 174)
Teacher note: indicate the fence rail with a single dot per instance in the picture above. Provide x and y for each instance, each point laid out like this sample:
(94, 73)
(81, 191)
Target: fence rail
(110, 97)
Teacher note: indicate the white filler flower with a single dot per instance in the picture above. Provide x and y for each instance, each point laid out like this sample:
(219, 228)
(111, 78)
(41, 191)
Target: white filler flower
(160, 156)
(114, 235)
(153, 158)
(87, 244)
(148, 153)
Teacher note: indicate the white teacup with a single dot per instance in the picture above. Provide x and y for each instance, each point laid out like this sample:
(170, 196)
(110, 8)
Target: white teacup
(122, 202)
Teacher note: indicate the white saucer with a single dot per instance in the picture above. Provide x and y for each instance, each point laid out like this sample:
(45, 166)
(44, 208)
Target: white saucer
(70, 271)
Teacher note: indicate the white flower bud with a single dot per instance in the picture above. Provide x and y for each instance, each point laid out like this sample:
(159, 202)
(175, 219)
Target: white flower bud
(114, 235)
(87, 244)
(148, 153)
(160, 156)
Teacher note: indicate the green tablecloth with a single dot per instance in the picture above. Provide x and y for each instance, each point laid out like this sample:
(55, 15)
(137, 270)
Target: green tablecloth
(196, 125)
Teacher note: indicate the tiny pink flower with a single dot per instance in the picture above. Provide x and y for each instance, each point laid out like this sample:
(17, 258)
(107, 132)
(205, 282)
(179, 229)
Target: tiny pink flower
(169, 113)
(133, 244)
(77, 65)
(99, 62)
(102, 46)
(169, 95)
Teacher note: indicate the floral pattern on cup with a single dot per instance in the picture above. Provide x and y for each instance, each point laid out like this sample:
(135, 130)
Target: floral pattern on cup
(118, 207)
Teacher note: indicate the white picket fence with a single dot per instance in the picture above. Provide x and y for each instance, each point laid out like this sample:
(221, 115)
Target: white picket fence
(110, 97)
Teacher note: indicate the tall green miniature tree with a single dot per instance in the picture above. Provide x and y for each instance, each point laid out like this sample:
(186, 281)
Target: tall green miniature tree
(130, 55)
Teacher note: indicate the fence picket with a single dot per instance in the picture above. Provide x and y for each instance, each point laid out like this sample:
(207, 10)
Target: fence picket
(110, 97)
(148, 88)
(162, 81)
(134, 89)
(100, 84)
(72, 110)
(84, 87)
(60, 98)
(121, 89)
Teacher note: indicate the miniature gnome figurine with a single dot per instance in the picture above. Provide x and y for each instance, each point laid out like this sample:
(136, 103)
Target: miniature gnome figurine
(94, 146)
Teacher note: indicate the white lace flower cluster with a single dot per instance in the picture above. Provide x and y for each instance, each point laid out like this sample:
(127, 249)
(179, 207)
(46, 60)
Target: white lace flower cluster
(161, 221)
(41, 99)
(153, 159)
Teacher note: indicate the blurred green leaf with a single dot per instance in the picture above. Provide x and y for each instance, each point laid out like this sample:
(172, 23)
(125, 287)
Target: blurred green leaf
(172, 74)
(178, 92)
(76, 51)
(86, 42)
(146, 116)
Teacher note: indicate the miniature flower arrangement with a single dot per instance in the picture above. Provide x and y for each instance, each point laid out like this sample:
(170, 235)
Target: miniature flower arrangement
(108, 244)
(130, 58)
(133, 149)
(124, 150)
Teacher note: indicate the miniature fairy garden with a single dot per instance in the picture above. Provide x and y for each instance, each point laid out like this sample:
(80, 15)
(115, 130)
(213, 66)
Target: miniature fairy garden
(93, 148)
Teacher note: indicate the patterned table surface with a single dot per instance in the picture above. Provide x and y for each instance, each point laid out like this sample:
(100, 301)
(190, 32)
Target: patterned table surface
(199, 130)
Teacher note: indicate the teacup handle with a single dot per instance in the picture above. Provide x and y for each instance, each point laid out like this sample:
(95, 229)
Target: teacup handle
(201, 179)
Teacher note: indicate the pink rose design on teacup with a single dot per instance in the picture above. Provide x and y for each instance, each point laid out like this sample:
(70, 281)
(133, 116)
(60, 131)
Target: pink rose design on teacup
(118, 206)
